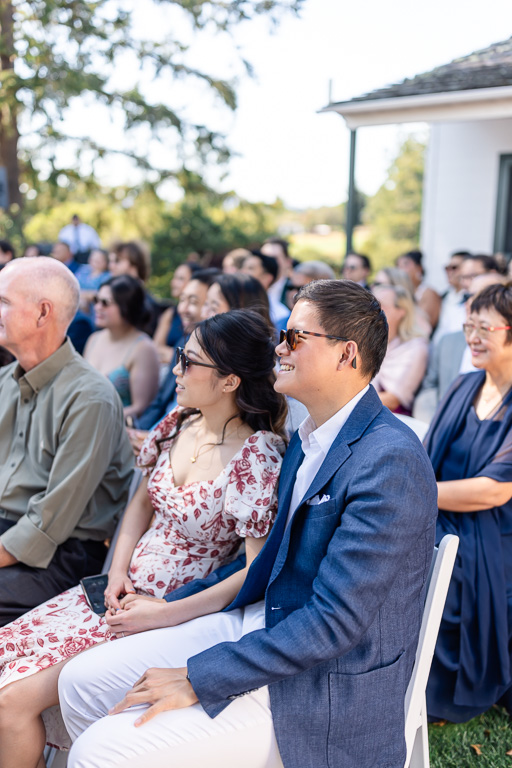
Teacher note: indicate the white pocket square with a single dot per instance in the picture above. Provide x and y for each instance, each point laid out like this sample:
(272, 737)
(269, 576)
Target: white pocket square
(317, 500)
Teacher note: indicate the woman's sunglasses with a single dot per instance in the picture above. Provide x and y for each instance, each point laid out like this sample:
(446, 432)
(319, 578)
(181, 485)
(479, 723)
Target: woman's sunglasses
(185, 361)
(103, 302)
(291, 337)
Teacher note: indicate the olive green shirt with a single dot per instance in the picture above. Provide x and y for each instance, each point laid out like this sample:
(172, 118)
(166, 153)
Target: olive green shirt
(65, 458)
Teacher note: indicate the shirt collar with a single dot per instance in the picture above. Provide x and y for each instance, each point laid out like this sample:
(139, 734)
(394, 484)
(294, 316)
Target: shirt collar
(321, 438)
(39, 376)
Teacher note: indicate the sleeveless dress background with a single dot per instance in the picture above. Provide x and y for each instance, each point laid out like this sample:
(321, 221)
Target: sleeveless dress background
(196, 528)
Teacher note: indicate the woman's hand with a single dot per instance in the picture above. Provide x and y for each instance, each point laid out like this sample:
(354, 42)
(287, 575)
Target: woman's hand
(138, 613)
(118, 584)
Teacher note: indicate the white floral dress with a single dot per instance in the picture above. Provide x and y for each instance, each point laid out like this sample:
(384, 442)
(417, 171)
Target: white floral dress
(196, 528)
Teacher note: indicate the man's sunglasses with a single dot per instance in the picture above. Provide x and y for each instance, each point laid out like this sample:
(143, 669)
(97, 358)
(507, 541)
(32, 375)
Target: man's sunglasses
(185, 361)
(291, 337)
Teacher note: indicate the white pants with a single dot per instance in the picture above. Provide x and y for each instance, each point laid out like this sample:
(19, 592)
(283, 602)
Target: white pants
(93, 682)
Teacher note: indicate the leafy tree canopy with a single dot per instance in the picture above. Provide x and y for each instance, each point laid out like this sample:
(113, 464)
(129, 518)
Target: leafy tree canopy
(60, 55)
(393, 214)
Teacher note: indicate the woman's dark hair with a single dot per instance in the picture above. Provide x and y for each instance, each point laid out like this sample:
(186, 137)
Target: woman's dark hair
(130, 296)
(499, 298)
(414, 256)
(244, 292)
(241, 342)
(137, 257)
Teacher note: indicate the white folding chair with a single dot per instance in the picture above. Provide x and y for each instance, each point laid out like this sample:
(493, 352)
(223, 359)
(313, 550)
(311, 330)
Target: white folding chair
(420, 428)
(416, 727)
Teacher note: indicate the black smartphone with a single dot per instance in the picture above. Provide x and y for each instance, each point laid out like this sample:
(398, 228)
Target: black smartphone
(94, 588)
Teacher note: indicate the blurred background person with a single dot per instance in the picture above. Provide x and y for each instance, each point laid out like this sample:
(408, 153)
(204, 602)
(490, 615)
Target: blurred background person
(470, 447)
(453, 313)
(81, 239)
(233, 261)
(32, 250)
(131, 258)
(279, 250)
(305, 273)
(190, 305)
(169, 329)
(474, 265)
(265, 269)
(7, 253)
(357, 267)
(120, 350)
(91, 276)
(427, 298)
(395, 276)
(236, 291)
(406, 357)
(62, 252)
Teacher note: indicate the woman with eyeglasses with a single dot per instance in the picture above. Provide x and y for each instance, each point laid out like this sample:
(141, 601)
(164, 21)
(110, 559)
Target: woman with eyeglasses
(210, 470)
(470, 446)
(120, 350)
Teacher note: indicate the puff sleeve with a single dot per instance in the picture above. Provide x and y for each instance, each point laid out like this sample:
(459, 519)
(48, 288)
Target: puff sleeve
(251, 492)
(152, 445)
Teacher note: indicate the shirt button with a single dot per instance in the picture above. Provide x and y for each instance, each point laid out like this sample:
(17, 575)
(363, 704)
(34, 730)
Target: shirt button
(21, 434)
(25, 400)
(13, 464)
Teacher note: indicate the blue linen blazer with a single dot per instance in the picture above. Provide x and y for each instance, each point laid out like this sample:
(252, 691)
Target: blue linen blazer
(344, 587)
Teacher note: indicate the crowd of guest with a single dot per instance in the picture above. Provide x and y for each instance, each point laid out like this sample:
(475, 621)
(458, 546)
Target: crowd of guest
(210, 446)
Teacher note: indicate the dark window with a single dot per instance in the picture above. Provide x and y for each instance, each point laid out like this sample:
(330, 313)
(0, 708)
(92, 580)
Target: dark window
(503, 232)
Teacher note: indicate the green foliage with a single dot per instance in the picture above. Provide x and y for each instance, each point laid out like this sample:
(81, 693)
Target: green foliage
(457, 745)
(209, 227)
(393, 214)
(116, 214)
(55, 54)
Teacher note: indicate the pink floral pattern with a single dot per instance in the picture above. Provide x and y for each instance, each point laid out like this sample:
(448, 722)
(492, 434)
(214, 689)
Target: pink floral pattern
(195, 529)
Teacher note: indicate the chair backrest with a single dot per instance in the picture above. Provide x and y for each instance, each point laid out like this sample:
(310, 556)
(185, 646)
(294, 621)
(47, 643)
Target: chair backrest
(136, 480)
(420, 428)
(437, 589)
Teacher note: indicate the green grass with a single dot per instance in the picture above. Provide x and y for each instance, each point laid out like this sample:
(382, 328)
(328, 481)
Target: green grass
(450, 744)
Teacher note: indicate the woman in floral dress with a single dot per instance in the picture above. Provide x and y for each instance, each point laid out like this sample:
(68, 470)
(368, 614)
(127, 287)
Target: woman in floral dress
(210, 480)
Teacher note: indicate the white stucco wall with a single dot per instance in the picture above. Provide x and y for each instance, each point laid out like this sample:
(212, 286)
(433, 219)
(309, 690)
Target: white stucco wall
(460, 190)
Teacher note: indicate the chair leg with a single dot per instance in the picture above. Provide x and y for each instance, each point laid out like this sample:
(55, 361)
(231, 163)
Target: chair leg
(420, 754)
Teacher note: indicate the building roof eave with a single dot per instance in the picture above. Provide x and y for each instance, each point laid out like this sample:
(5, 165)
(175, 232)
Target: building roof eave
(464, 105)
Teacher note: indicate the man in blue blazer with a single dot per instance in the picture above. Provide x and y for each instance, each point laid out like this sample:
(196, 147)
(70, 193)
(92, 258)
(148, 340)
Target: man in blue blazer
(309, 665)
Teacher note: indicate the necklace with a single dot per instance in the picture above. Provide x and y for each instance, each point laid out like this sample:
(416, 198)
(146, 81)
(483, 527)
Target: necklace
(207, 446)
(492, 403)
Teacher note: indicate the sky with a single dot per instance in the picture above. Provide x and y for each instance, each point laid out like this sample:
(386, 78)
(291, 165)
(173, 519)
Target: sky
(283, 147)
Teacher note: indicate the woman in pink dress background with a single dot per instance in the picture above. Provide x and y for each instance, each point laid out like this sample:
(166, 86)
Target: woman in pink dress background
(210, 480)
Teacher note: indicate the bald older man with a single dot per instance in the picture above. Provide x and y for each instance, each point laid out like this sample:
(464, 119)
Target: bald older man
(65, 459)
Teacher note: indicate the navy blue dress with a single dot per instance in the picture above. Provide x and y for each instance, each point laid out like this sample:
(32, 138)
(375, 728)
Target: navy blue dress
(471, 669)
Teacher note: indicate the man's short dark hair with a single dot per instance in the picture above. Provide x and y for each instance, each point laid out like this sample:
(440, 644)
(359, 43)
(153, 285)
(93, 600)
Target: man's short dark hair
(6, 247)
(365, 260)
(282, 243)
(269, 263)
(346, 309)
(489, 263)
(206, 276)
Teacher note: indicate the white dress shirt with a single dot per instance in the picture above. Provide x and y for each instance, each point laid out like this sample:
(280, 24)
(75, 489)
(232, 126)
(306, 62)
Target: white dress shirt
(316, 444)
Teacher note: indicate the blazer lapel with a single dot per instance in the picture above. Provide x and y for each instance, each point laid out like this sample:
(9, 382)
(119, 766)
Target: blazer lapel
(357, 423)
